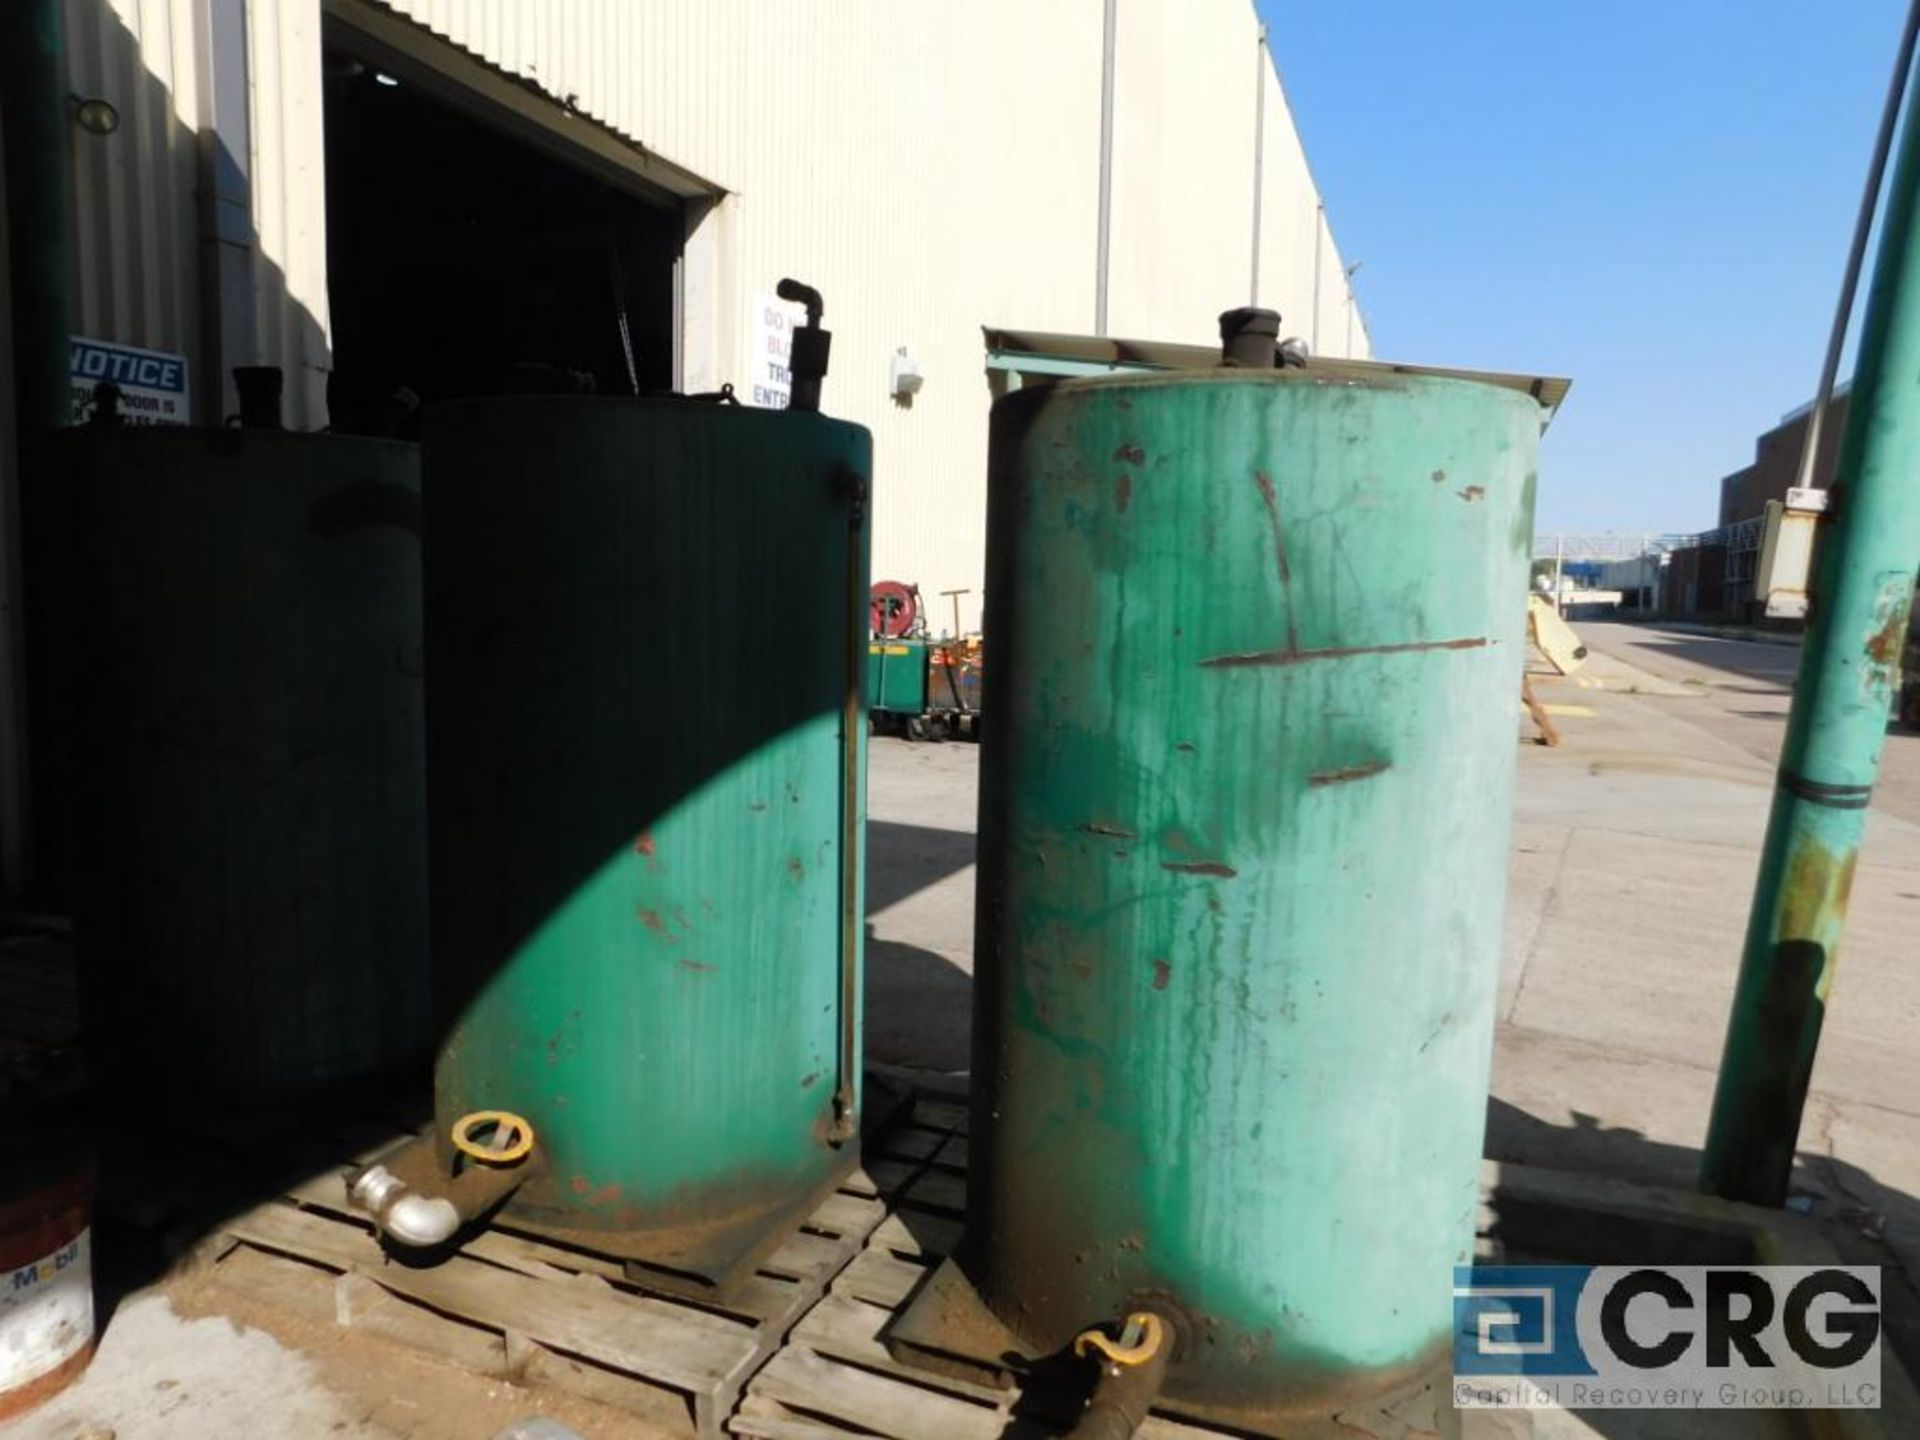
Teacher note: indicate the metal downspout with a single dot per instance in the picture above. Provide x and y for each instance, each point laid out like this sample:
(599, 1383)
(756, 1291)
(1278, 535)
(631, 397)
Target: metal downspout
(16, 809)
(1105, 220)
(36, 309)
(1259, 155)
(1857, 254)
(1862, 593)
(1319, 238)
(33, 92)
(227, 238)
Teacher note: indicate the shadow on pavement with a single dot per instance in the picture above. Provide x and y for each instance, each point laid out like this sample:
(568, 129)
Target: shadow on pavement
(919, 1007)
(919, 1003)
(1751, 659)
(1867, 1222)
(903, 860)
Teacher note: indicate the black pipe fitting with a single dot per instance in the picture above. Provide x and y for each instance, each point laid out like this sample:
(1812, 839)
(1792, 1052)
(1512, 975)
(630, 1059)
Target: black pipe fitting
(807, 362)
(1249, 337)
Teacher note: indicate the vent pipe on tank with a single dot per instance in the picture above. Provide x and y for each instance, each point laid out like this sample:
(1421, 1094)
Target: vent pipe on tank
(106, 406)
(808, 362)
(1249, 337)
(258, 387)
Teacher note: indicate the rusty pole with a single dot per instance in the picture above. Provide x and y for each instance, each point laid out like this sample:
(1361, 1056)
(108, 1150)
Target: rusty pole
(1863, 590)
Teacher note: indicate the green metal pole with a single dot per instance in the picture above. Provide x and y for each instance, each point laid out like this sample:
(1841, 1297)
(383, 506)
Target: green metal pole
(1863, 589)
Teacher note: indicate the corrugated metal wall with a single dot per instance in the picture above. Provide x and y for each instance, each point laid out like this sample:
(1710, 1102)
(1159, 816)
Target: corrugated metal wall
(135, 226)
(136, 216)
(288, 173)
(931, 169)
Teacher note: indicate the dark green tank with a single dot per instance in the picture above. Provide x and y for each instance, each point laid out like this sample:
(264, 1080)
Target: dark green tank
(645, 633)
(239, 627)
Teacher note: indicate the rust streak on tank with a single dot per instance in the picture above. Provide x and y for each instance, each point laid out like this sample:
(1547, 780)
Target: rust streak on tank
(1162, 971)
(1271, 500)
(1102, 827)
(1122, 492)
(1291, 656)
(1199, 867)
(643, 847)
(1348, 773)
(1471, 493)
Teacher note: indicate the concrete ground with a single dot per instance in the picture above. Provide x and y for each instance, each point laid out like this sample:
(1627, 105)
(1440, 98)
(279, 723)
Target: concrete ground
(1635, 846)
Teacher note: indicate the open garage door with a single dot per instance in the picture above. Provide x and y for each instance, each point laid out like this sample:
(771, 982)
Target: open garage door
(464, 260)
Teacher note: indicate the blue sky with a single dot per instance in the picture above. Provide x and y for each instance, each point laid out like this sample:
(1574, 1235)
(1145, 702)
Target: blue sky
(1652, 198)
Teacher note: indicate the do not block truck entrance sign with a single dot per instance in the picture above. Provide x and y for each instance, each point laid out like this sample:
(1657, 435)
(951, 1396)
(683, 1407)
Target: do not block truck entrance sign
(153, 383)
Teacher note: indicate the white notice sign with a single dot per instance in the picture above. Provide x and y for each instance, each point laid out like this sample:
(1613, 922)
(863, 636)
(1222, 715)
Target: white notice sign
(153, 384)
(770, 352)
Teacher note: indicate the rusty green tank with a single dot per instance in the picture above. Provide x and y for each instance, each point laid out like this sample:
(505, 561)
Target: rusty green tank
(646, 627)
(1257, 641)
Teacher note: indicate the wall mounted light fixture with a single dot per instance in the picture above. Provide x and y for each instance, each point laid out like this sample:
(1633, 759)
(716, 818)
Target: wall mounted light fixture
(903, 377)
(94, 115)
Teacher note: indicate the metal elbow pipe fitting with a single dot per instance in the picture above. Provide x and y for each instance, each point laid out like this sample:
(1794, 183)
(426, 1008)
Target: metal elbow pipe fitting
(414, 1200)
(1132, 1372)
(401, 1212)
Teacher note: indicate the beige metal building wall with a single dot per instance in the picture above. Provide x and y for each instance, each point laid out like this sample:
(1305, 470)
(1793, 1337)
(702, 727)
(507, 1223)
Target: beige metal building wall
(287, 183)
(135, 229)
(932, 169)
(1183, 166)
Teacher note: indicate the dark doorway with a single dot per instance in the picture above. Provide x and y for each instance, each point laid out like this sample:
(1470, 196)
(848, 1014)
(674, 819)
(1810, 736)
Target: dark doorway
(464, 261)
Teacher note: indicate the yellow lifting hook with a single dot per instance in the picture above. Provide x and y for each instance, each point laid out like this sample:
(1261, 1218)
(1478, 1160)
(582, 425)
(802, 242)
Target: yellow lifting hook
(511, 1140)
(1140, 1340)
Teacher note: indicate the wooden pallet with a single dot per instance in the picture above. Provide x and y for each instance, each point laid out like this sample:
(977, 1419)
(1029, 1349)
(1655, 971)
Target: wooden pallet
(798, 1355)
(517, 1306)
(836, 1380)
(835, 1377)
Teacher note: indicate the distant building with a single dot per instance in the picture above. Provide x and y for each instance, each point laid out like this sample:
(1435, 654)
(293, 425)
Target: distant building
(1636, 580)
(1776, 462)
(1717, 577)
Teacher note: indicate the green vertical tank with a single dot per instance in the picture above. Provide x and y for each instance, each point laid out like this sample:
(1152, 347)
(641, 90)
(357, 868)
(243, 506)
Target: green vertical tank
(235, 627)
(1257, 642)
(646, 631)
